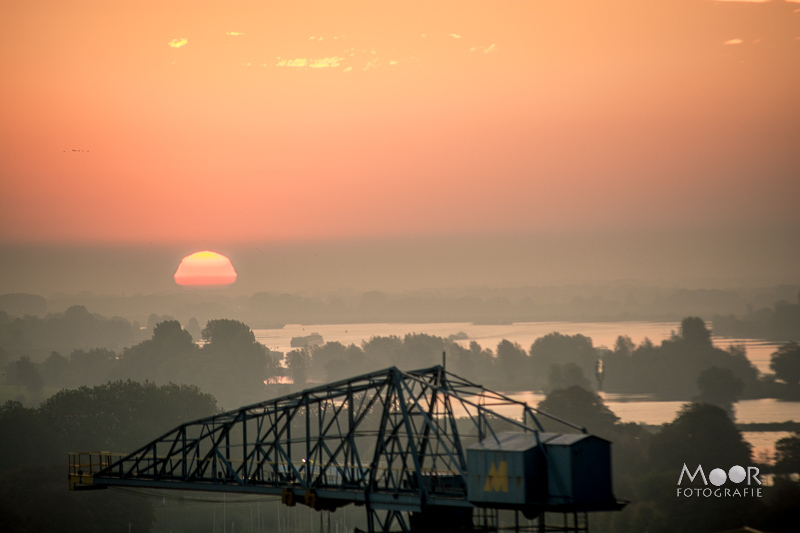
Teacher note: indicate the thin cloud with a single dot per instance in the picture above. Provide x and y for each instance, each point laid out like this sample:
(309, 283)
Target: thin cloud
(485, 49)
(178, 43)
(301, 62)
(373, 63)
(326, 62)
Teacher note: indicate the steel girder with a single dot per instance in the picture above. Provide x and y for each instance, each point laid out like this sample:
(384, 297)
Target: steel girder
(390, 440)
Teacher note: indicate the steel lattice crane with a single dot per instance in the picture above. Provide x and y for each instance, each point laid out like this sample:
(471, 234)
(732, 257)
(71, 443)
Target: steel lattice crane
(423, 450)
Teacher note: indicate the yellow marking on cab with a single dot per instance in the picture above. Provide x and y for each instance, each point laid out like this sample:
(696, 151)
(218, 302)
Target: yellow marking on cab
(497, 480)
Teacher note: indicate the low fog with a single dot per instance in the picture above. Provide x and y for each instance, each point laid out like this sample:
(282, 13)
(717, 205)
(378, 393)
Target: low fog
(689, 258)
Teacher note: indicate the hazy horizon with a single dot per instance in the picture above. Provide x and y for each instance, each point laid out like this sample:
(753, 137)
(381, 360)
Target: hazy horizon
(695, 260)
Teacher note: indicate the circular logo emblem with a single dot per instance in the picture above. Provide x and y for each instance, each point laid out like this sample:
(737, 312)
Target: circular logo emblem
(717, 477)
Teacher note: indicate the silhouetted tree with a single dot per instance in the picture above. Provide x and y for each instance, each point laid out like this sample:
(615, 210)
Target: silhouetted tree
(565, 376)
(556, 348)
(20, 304)
(121, 415)
(420, 350)
(154, 320)
(193, 327)
(780, 322)
(720, 387)
(335, 361)
(298, 363)
(624, 346)
(785, 363)
(694, 330)
(382, 352)
(787, 454)
(63, 332)
(322, 354)
(700, 434)
(91, 367)
(512, 361)
(235, 364)
(351, 363)
(672, 368)
(25, 373)
(579, 406)
(32, 442)
(55, 369)
(170, 355)
(473, 363)
(780, 512)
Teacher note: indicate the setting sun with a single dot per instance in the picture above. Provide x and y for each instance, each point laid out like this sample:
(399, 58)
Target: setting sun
(205, 269)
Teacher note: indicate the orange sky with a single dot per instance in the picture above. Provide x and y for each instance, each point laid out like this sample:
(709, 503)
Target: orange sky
(287, 121)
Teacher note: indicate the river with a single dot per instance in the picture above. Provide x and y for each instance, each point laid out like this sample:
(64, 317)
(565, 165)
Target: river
(489, 335)
(628, 408)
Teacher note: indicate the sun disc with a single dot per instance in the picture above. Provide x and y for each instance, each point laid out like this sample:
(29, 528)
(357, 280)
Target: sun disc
(205, 268)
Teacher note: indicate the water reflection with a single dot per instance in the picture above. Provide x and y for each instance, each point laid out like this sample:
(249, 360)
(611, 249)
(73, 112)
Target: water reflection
(630, 408)
(637, 408)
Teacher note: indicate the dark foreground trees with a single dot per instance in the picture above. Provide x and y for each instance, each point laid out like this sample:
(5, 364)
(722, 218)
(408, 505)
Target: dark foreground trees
(36, 500)
(787, 455)
(700, 434)
(117, 417)
(122, 416)
(647, 464)
(647, 468)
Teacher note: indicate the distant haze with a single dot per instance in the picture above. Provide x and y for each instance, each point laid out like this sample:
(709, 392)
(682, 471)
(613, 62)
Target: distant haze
(693, 259)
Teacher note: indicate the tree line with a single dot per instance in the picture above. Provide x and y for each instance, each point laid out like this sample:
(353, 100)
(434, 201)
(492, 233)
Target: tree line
(230, 363)
(736, 312)
(780, 322)
(75, 328)
(117, 416)
(685, 366)
(119, 400)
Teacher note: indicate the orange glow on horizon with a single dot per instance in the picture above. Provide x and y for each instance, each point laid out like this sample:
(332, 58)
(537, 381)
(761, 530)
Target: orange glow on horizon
(205, 268)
